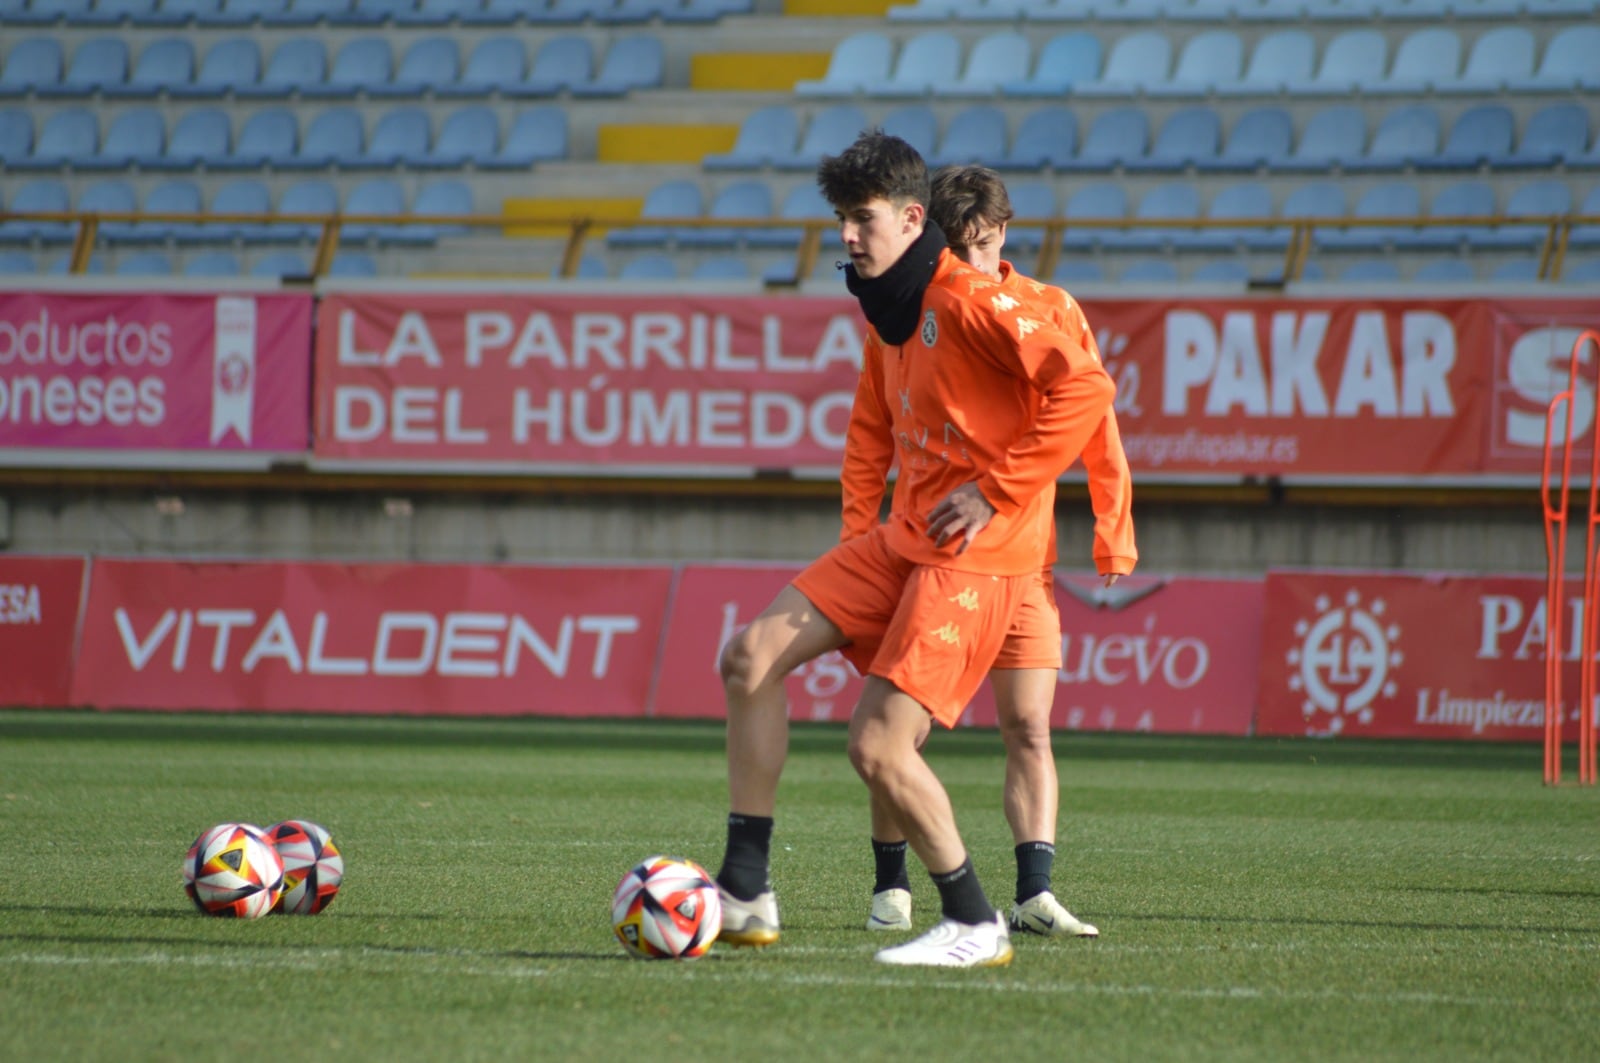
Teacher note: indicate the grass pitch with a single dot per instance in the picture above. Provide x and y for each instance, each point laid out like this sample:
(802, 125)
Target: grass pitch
(1257, 899)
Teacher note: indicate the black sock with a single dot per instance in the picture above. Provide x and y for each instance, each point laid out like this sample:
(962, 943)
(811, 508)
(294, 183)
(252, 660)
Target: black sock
(744, 863)
(890, 858)
(961, 897)
(1034, 860)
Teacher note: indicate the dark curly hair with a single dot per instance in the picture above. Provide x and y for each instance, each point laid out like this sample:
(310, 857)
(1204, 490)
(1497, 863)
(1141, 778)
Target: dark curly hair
(964, 198)
(875, 165)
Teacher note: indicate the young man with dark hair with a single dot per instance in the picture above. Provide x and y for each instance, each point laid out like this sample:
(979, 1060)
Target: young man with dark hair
(986, 404)
(971, 207)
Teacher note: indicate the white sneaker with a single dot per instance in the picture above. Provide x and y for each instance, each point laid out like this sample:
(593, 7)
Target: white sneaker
(753, 923)
(891, 910)
(953, 944)
(1043, 914)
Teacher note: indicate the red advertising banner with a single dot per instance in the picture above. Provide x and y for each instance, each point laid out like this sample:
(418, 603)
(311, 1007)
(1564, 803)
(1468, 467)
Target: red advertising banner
(405, 638)
(1533, 341)
(1400, 656)
(39, 602)
(570, 382)
(153, 377)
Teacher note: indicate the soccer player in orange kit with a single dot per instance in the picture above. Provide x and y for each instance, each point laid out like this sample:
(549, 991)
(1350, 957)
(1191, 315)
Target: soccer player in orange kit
(971, 207)
(986, 402)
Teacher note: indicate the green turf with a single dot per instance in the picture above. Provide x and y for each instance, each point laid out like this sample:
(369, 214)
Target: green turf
(1257, 899)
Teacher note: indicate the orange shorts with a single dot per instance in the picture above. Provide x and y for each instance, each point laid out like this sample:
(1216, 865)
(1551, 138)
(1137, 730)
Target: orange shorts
(1034, 640)
(932, 632)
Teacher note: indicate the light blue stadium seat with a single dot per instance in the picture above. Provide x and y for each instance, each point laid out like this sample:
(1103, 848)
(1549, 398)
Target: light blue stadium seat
(1480, 137)
(722, 268)
(229, 63)
(859, 59)
(68, 135)
(673, 198)
(1425, 59)
(1281, 58)
(767, 134)
(747, 198)
(352, 264)
(110, 196)
(1588, 234)
(16, 135)
(336, 136)
(1092, 202)
(249, 12)
(202, 137)
(975, 135)
(803, 202)
(1046, 136)
(994, 60)
(1499, 58)
(310, 12)
(270, 137)
(1135, 62)
(380, 197)
(441, 13)
(298, 65)
(401, 133)
(1029, 199)
(1568, 64)
(830, 131)
(1393, 199)
(634, 62)
(499, 12)
(1210, 59)
(1150, 271)
(427, 65)
(1352, 59)
(562, 62)
(1516, 271)
(1542, 198)
(97, 64)
(136, 134)
(197, 12)
(1333, 137)
(131, 12)
(495, 64)
(649, 266)
(161, 65)
(62, 266)
(915, 124)
(1344, 10)
(245, 195)
(144, 264)
(16, 263)
(359, 66)
(469, 134)
(212, 264)
(313, 196)
(1315, 200)
(926, 60)
(49, 12)
(1071, 271)
(1464, 199)
(1115, 138)
(1444, 271)
(1064, 60)
(44, 195)
(933, 10)
(1189, 137)
(537, 134)
(32, 64)
(377, 12)
(707, 10)
(1585, 271)
(1554, 133)
(281, 264)
(1261, 139)
(1172, 200)
(450, 197)
(1245, 201)
(1221, 271)
(1140, 11)
(177, 196)
(1404, 136)
(1370, 270)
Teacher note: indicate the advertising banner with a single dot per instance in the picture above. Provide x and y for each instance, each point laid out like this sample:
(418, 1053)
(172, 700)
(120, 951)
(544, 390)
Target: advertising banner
(153, 378)
(1532, 342)
(475, 640)
(39, 602)
(1402, 656)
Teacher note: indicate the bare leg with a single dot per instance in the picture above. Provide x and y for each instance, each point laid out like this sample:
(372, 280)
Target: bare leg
(1023, 698)
(886, 734)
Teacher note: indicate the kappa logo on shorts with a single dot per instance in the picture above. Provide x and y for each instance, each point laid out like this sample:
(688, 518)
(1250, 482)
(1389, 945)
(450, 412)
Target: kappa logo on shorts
(949, 633)
(930, 329)
(967, 599)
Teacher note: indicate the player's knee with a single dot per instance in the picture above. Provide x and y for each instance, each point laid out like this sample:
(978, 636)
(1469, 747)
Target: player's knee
(744, 664)
(1027, 736)
(871, 758)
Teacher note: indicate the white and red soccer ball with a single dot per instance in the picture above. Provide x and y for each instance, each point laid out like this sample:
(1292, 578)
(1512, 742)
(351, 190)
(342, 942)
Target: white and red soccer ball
(312, 866)
(666, 908)
(232, 870)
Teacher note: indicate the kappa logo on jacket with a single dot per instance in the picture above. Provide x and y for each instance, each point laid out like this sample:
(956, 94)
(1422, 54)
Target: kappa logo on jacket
(930, 329)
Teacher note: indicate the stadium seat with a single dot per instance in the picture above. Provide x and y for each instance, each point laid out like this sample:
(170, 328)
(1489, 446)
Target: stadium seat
(1261, 139)
(177, 196)
(1029, 199)
(229, 63)
(32, 64)
(1588, 234)
(198, 12)
(281, 264)
(1169, 201)
(1209, 59)
(381, 197)
(1115, 138)
(1568, 65)
(649, 266)
(1425, 59)
(97, 64)
(926, 60)
(135, 135)
(721, 268)
(975, 135)
(915, 124)
(767, 134)
(16, 135)
(1370, 269)
(313, 196)
(1071, 271)
(1464, 199)
(162, 65)
(803, 202)
(537, 134)
(1585, 271)
(428, 65)
(310, 12)
(377, 12)
(1188, 138)
(402, 133)
(334, 137)
(110, 196)
(445, 198)
(270, 137)
(633, 62)
(1134, 63)
(1542, 198)
(49, 12)
(45, 195)
(747, 198)
(201, 138)
(1499, 58)
(1394, 199)
(1046, 136)
(250, 12)
(1352, 59)
(1249, 201)
(1221, 271)
(494, 65)
(994, 60)
(1142, 11)
(245, 195)
(673, 198)
(1480, 138)
(1333, 137)
(1554, 133)
(359, 66)
(1516, 271)
(1317, 199)
(1444, 271)
(298, 64)
(1096, 203)
(144, 264)
(16, 263)
(831, 130)
(859, 59)
(1150, 271)
(68, 135)
(561, 63)
(1280, 59)
(1404, 136)
(440, 13)
(466, 135)
(934, 10)
(353, 264)
(1064, 61)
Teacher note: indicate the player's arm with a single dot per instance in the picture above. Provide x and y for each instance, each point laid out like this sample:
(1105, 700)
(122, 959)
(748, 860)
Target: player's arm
(1111, 496)
(868, 449)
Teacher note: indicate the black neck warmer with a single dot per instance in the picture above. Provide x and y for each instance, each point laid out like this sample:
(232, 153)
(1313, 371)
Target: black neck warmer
(892, 301)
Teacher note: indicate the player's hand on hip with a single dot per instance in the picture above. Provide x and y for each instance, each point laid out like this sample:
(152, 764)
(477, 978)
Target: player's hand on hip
(963, 514)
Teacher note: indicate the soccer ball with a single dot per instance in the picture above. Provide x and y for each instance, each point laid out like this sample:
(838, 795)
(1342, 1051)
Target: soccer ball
(666, 909)
(232, 870)
(312, 866)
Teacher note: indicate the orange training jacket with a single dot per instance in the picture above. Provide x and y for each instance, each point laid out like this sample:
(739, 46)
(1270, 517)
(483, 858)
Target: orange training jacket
(989, 390)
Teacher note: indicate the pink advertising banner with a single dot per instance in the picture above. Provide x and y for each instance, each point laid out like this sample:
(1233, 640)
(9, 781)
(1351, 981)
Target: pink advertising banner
(477, 640)
(39, 602)
(153, 377)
